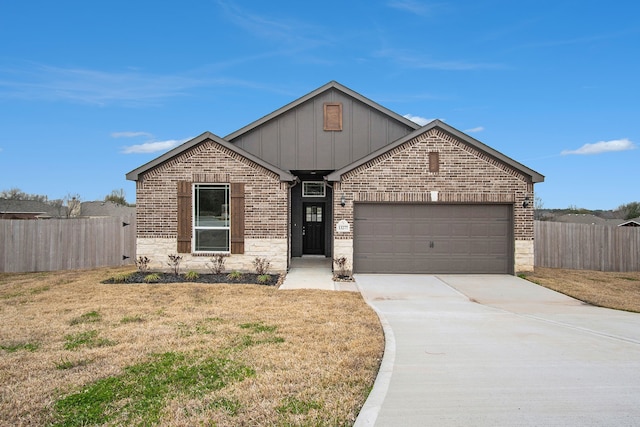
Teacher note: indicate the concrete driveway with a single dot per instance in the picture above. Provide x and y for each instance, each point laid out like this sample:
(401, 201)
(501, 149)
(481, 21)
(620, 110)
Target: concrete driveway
(470, 350)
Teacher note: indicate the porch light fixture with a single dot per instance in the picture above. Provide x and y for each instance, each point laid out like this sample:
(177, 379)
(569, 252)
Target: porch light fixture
(525, 204)
(343, 201)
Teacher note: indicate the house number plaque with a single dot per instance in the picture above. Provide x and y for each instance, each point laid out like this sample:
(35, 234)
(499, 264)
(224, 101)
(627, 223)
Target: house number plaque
(343, 226)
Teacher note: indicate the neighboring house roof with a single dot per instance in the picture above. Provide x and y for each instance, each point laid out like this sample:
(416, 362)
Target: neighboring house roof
(207, 136)
(580, 219)
(331, 85)
(630, 223)
(535, 176)
(30, 209)
(100, 208)
(596, 220)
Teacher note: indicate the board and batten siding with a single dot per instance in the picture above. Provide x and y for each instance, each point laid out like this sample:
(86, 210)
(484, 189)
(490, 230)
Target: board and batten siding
(296, 140)
(66, 244)
(587, 246)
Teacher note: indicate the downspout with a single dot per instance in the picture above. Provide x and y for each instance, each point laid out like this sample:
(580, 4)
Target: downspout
(333, 237)
(290, 185)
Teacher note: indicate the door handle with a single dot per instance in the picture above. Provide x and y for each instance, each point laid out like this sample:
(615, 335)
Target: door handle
(304, 229)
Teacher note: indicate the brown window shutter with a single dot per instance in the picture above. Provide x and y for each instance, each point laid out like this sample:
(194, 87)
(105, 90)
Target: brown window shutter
(184, 217)
(434, 161)
(237, 218)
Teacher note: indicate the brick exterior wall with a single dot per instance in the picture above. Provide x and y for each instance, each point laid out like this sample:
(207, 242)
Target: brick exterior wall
(266, 204)
(465, 175)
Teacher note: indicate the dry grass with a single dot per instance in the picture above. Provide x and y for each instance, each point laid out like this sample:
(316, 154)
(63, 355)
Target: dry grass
(620, 291)
(307, 357)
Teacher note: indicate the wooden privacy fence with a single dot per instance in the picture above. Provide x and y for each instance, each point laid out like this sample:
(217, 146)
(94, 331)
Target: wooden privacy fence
(66, 244)
(586, 246)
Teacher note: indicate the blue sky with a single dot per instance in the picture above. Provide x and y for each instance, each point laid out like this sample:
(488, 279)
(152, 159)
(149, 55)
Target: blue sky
(90, 90)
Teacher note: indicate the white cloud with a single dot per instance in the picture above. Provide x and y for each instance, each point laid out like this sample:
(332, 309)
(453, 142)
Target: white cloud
(475, 129)
(36, 81)
(414, 60)
(130, 134)
(282, 29)
(419, 8)
(154, 146)
(417, 119)
(603, 147)
(130, 87)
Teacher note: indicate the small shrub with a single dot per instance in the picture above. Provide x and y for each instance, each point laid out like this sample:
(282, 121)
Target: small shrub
(120, 278)
(341, 264)
(174, 263)
(216, 263)
(341, 272)
(192, 276)
(143, 263)
(261, 265)
(234, 275)
(152, 278)
(264, 279)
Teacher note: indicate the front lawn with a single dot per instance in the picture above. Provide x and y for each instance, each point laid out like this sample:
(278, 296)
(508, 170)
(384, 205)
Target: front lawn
(620, 291)
(74, 351)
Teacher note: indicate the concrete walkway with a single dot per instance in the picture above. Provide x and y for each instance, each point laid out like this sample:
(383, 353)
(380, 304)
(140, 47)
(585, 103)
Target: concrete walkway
(313, 272)
(499, 351)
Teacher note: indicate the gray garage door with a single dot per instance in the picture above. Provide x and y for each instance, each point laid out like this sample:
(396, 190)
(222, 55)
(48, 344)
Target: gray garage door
(435, 238)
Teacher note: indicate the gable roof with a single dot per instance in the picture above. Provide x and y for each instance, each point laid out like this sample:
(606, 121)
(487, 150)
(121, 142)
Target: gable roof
(207, 136)
(331, 85)
(34, 208)
(101, 208)
(580, 219)
(635, 222)
(535, 176)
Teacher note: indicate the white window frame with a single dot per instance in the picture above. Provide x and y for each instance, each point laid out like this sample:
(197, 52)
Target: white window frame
(304, 184)
(195, 227)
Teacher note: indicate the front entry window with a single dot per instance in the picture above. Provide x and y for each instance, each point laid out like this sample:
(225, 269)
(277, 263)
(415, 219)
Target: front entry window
(314, 214)
(211, 221)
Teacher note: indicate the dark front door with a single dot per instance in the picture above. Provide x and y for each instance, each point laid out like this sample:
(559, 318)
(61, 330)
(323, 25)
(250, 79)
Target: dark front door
(313, 228)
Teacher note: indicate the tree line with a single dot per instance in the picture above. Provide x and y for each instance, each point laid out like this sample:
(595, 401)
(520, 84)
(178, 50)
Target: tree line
(116, 196)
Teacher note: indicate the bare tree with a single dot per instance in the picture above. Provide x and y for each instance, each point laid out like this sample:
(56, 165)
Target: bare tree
(17, 194)
(73, 205)
(537, 207)
(117, 196)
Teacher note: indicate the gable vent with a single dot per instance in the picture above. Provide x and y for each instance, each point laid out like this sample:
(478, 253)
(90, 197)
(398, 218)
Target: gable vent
(333, 116)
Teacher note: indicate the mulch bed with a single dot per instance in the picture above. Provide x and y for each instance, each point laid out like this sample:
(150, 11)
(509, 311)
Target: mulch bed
(246, 278)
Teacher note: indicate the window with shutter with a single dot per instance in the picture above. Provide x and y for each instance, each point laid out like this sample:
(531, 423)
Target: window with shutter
(210, 218)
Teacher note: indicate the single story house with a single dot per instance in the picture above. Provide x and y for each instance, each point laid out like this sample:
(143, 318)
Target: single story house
(630, 223)
(31, 209)
(335, 174)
